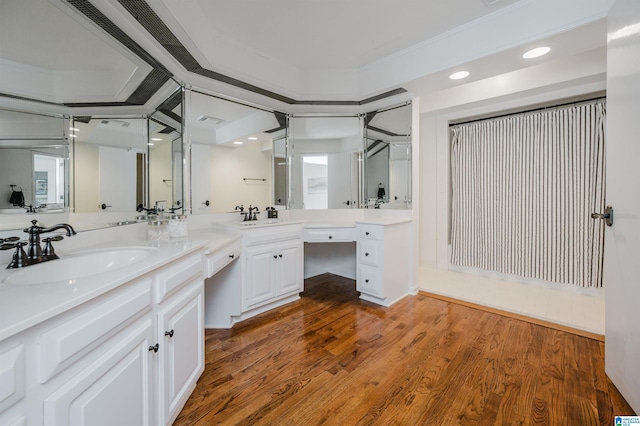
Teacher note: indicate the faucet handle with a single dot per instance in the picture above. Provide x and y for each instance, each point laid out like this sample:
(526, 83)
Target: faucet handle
(9, 240)
(48, 252)
(20, 258)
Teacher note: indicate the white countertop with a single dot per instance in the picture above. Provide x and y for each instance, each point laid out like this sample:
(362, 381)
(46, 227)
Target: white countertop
(23, 306)
(384, 220)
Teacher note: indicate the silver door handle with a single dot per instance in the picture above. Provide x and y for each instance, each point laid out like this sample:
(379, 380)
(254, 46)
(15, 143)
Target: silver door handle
(607, 215)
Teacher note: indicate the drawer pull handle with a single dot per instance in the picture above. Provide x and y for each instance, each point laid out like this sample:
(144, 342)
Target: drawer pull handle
(366, 233)
(231, 256)
(366, 254)
(169, 333)
(154, 348)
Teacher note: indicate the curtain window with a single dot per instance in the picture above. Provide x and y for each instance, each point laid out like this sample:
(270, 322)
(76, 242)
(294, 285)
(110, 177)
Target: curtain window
(523, 189)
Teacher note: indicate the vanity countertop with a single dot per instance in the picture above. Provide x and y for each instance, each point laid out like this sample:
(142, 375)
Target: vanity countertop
(216, 239)
(23, 306)
(384, 220)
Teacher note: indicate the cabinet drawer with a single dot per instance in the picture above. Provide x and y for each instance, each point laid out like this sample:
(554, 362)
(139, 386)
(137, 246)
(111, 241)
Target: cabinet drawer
(271, 234)
(329, 235)
(64, 344)
(369, 281)
(12, 376)
(369, 253)
(177, 275)
(221, 258)
(371, 232)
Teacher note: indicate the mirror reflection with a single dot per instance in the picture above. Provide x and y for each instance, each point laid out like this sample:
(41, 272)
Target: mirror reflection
(231, 153)
(109, 163)
(33, 162)
(388, 158)
(165, 155)
(326, 159)
(280, 169)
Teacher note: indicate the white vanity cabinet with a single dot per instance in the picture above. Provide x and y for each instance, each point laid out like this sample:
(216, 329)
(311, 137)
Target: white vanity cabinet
(181, 350)
(272, 270)
(131, 355)
(383, 261)
(272, 264)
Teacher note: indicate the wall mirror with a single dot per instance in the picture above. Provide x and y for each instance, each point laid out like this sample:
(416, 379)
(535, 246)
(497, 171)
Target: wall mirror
(388, 158)
(109, 163)
(232, 157)
(165, 154)
(280, 169)
(326, 154)
(34, 154)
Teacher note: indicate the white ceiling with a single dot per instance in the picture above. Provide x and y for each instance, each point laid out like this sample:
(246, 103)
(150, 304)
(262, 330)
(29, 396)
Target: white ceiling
(332, 34)
(308, 49)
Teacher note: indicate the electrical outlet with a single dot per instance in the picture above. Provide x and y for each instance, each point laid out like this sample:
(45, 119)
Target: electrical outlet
(161, 205)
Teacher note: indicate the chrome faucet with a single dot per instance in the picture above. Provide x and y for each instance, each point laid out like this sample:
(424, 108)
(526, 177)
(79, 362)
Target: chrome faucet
(34, 250)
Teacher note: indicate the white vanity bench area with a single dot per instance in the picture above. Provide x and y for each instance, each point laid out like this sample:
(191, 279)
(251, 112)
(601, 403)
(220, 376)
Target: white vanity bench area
(126, 345)
(274, 257)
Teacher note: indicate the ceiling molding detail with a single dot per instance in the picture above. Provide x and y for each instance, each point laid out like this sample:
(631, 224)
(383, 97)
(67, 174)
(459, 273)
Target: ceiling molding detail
(153, 24)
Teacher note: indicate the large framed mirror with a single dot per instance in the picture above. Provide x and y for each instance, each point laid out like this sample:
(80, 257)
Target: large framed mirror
(232, 153)
(388, 158)
(326, 155)
(34, 157)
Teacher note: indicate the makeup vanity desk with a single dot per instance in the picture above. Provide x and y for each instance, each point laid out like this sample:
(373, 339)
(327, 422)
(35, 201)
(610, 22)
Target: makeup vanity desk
(382, 260)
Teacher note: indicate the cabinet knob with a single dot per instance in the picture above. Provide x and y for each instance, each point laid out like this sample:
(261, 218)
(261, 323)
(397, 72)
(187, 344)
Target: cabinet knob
(366, 254)
(330, 237)
(154, 348)
(231, 256)
(275, 257)
(366, 233)
(366, 281)
(169, 333)
(280, 255)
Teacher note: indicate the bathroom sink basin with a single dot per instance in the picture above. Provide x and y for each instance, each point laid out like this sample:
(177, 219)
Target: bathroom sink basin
(80, 265)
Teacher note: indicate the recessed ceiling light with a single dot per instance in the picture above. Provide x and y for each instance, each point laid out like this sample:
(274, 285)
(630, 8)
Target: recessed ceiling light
(156, 139)
(252, 138)
(238, 142)
(458, 75)
(538, 51)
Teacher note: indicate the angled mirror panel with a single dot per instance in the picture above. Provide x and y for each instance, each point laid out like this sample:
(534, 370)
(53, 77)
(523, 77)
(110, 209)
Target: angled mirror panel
(231, 154)
(109, 158)
(34, 155)
(388, 158)
(325, 155)
(165, 155)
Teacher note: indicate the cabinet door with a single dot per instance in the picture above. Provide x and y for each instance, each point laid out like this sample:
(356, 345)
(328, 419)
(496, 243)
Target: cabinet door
(181, 350)
(114, 390)
(289, 268)
(260, 274)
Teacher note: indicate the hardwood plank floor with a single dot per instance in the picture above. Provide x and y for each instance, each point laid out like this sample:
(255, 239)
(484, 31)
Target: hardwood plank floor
(331, 358)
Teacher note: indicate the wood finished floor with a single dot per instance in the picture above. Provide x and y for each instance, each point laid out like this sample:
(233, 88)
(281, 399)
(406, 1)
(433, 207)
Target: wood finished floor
(333, 359)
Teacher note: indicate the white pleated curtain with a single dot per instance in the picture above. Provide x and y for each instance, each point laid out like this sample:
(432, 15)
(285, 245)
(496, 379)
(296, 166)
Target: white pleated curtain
(523, 190)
